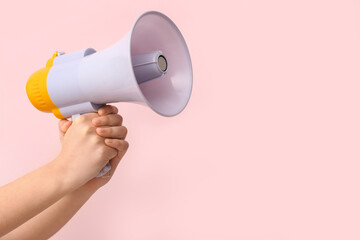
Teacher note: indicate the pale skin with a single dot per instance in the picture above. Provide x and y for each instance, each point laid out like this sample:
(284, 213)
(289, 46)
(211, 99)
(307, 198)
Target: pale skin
(40, 203)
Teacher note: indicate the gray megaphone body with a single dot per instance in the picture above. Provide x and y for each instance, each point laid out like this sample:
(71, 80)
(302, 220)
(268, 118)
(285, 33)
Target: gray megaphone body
(151, 65)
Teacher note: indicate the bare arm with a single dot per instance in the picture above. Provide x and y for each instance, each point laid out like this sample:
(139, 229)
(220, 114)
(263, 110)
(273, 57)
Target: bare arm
(27, 196)
(51, 220)
(83, 155)
(48, 222)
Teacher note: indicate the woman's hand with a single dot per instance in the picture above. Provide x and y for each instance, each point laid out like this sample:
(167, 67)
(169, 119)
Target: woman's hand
(109, 126)
(84, 153)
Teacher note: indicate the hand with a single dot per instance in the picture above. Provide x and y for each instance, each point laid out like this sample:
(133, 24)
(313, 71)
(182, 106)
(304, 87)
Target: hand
(109, 126)
(84, 152)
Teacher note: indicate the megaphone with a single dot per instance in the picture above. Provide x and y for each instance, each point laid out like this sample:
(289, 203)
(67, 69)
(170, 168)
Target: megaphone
(151, 65)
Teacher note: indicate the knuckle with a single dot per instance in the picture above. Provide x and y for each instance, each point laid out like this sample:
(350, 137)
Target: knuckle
(95, 140)
(102, 130)
(85, 130)
(80, 119)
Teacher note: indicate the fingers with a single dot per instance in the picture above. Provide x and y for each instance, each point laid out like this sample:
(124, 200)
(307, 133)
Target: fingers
(108, 109)
(64, 125)
(121, 145)
(114, 163)
(111, 152)
(108, 120)
(118, 132)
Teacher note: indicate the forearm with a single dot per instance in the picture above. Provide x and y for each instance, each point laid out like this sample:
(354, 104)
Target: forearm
(29, 195)
(51, 220)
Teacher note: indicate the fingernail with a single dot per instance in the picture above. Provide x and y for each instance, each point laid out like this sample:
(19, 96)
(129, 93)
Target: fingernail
(108, 140)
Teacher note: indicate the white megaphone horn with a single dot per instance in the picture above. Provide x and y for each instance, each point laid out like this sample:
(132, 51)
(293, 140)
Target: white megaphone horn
(151, 65)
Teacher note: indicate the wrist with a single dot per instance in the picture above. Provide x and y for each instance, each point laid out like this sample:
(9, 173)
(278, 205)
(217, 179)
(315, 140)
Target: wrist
(70, 184)
(92, 186)
(67, 181)
(86, 190)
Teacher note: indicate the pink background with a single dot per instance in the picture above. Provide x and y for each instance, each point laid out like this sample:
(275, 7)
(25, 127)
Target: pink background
(268, 147)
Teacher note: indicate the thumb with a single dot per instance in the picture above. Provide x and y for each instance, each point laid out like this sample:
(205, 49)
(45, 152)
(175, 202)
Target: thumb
(121, 145)
(64, 125)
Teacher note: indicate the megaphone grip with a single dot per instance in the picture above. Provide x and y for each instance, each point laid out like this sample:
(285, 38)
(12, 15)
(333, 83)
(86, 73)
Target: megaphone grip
(103, 171)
